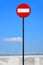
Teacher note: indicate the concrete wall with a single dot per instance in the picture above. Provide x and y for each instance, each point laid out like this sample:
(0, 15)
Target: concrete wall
(17, 60)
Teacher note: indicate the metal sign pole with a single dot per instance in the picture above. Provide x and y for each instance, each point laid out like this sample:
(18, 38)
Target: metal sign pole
(23, 10)
(23, 39)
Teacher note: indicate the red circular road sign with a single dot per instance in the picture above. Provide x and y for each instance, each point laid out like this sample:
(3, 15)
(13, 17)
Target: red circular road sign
(23, 10)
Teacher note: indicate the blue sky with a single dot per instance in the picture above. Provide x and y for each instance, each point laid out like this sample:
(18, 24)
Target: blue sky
(11, 27)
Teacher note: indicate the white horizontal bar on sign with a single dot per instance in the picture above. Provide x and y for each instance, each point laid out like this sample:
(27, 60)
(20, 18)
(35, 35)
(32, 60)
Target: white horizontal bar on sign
(23, 10)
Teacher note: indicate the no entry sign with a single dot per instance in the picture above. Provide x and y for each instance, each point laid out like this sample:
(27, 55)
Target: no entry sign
(23, 10)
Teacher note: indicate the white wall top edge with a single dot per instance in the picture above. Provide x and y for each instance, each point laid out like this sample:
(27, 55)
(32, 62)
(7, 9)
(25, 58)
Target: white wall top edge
(21, 56)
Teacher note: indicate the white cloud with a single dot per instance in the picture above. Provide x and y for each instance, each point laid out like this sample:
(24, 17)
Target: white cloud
(13, 39)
